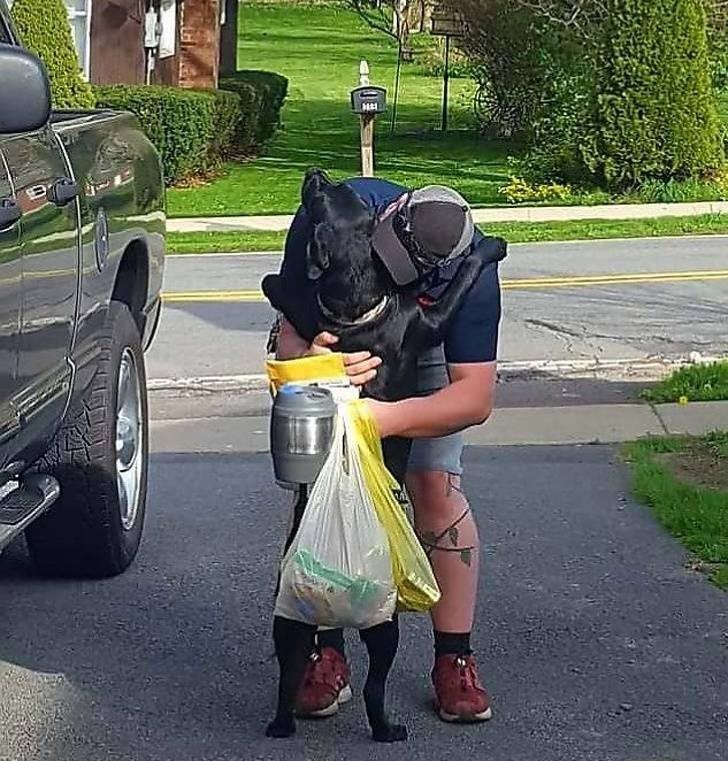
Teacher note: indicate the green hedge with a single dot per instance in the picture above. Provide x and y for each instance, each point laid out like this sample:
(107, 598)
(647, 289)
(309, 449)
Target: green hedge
(263, 94)
(195, 130)
(43, 27)
(250, 105)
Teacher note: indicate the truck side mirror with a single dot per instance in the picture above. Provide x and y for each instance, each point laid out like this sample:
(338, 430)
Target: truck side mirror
(25, 91)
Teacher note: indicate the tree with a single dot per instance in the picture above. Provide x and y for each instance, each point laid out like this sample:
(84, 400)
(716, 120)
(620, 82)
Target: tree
(579, 15)
(655, 108)
(395, 18)
(508, 46)
(44, 29)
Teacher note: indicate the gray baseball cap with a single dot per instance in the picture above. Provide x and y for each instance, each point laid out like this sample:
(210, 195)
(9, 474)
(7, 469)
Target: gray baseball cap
(437, 219)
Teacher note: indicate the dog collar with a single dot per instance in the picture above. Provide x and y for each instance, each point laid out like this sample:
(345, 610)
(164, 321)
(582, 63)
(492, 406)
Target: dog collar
(368, 316)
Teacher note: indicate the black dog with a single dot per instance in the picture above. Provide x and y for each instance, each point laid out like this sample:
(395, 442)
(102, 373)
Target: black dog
(344, 289)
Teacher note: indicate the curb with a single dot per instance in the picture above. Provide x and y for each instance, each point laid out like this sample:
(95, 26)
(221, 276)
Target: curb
(281, 222)
(605, 424)
(645, 370)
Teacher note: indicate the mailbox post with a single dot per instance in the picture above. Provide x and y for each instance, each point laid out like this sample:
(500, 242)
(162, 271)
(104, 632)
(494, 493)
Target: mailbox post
(367, 101)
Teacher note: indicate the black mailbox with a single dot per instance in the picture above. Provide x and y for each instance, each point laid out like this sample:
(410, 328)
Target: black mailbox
(369, 100)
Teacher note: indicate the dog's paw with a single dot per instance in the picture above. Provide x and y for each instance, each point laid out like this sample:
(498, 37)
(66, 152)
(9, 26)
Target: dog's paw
(279, 729)
(390, 733)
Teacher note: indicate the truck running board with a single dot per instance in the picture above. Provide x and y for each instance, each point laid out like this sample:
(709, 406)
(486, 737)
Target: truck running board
(21, 506)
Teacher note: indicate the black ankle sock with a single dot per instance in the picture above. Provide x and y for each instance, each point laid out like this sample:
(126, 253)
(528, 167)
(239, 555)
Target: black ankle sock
(447, 643)
(332, 638)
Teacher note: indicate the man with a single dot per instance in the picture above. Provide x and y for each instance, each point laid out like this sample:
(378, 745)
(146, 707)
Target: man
(457, 387)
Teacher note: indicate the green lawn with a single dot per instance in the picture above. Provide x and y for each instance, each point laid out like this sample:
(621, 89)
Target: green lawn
(319, 49)
(685, 482)
(693, 383)
(514, 232)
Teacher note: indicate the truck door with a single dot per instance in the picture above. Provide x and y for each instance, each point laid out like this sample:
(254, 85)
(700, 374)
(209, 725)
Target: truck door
(10, 214)
(50, 275)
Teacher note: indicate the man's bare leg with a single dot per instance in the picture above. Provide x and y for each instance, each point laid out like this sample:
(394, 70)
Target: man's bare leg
(448, 531)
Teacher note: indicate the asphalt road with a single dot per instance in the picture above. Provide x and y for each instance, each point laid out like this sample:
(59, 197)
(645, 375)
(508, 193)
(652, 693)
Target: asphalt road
(595, 642)
(662, 298)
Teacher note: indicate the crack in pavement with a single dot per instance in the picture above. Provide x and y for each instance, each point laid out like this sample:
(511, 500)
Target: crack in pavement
(564, 334)
(582, 333)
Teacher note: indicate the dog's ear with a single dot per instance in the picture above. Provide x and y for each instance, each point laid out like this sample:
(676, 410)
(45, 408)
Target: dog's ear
(317, 253)
(313, 183)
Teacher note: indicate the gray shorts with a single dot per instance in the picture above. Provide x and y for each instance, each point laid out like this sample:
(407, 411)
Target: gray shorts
(443, 453)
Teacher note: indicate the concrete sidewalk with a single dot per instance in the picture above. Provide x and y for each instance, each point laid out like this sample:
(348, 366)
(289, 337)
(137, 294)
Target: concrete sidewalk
(583, 424)
(278, 223)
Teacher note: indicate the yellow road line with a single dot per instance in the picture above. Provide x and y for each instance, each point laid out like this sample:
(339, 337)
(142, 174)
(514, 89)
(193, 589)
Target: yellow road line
(544, 283)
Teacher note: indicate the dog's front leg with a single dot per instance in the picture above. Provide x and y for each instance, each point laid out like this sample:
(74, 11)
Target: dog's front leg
(294, 643)
(432, 321)
(381, 642)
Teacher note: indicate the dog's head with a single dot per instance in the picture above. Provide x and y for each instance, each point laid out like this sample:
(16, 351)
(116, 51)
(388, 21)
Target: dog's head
(340, 256)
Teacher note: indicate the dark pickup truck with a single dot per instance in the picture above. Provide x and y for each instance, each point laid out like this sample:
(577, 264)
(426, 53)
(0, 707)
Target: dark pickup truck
(82, 239)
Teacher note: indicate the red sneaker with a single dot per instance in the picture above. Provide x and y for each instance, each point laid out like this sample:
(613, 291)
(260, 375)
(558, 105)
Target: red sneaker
(325, 685)
(460, 697)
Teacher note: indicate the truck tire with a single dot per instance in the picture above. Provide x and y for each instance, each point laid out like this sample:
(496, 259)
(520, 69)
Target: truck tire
(100, 458)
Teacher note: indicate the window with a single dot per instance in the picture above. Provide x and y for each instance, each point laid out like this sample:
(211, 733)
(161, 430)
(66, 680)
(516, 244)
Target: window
(79, 16)
(168, 22)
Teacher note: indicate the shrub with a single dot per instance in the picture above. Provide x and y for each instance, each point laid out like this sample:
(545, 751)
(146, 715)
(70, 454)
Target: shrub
(227, 116)
(684, 191)
(718, 42)
(270, 91)
(656, 109)
(250, 104)
(520, 191)
(563, 129)
(634, 103)
(193, 130)
(44, 29)
(505, 44)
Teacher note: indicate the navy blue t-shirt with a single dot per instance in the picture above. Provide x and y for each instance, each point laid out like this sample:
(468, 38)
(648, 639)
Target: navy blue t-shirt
(473, 332)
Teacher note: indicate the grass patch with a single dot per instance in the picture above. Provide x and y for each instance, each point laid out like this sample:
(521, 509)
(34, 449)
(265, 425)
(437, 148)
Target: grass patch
(318, 47)
(514, 232)
(692, 383)
(685, 482)
(225, 242)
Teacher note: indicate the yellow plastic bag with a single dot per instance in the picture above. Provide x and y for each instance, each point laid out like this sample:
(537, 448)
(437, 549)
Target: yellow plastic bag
(417, 588)
(322, 368)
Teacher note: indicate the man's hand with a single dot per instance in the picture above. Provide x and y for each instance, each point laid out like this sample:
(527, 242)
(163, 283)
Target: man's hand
(361, 366)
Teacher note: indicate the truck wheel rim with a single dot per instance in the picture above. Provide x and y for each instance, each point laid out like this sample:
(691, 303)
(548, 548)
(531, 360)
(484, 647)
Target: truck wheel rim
(129, 435)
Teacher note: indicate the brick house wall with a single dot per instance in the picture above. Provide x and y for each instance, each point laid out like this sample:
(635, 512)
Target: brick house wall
(117, 42)
(199, 46)
(109, 36)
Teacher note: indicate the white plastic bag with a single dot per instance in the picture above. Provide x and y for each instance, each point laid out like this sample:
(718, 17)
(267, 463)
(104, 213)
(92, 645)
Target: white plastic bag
(338, 570)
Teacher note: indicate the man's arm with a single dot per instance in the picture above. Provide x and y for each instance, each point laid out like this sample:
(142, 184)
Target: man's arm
(468, 400)
(471, 348)
(361, 366)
